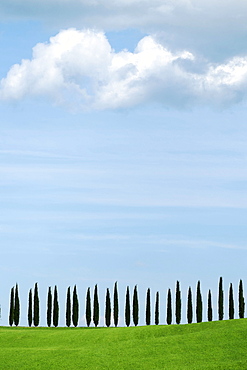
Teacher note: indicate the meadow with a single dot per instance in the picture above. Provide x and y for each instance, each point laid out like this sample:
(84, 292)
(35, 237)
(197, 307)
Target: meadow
(207, 345)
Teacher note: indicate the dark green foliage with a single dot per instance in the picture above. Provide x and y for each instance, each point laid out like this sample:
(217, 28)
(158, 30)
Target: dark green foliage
(198, 303)
(107, 308)
(49, 307)
(148, 308)
(68, 308)
(75, 308)
(231, 303)
(178, 304)
(96, 307)
(36, 305)
(241, 303)
(127, 307)
(210, 309)
(169, 308)
(221, 300)
(88, 308)
(55, 308)
(115, 305)
(189, 307)
(16, 306)
(11, 306)
(135, 312)
(30, 308)
(157, 308)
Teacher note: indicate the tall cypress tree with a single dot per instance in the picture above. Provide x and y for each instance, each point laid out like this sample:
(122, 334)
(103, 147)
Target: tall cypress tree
(49, 307)
(189, 307)
(210, 310)
(221, 300)
(16, 306)
(241, 303)
(135, 307)
(107, 308)
(30, 308)
(88, 308)
(127, 307)
(198, 303)
(148, 308)
(55, 308)
(115, 305)
(178, 303)
(11, 306)
(75, 308)
(96, 307)
(231, 303)
(36, 305)
(169, 308)
(68, 308)
(157, 308)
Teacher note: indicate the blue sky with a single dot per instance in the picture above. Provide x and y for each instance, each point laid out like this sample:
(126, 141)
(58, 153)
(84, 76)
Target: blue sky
(122, 148)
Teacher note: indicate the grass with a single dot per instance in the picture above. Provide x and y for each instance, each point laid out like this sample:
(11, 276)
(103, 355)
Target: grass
(215, 345)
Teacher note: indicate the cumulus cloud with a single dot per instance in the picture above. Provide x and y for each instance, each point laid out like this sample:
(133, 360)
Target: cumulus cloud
(81, 70)
(210, 27)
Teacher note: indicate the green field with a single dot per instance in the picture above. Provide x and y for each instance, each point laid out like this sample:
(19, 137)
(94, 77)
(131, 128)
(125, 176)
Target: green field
(215, 345)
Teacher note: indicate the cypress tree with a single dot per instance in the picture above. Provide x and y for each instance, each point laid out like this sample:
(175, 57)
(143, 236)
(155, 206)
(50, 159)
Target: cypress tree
(88, 308)
(49, 307)
(68, 308)
(75, 308)
(115, 305)
(189, 307)
(210, 310)
(198, 303)
(127, 307)
(231, 303)
(16, 306)
(148, 308)
(178, 303)
(221, 300)
(11, 306)
(169, 308)
(107, 308)
(135, 307)
(36, 305)
(241, 303)
(30, 308)
(157, 318)
(96, 307)
(55, 308)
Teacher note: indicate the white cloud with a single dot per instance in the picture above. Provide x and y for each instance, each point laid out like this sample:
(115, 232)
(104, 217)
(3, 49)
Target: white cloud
(213, 27)
(81, 70)
(58, 67)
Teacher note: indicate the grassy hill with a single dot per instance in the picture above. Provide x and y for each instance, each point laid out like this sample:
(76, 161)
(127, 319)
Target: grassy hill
(215, 345)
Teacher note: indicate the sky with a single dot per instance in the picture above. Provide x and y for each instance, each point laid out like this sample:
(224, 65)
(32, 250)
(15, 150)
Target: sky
(122, 149)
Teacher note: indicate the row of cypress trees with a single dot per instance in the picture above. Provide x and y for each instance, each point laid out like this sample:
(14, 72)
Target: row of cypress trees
(199, 304)
(72, 306)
